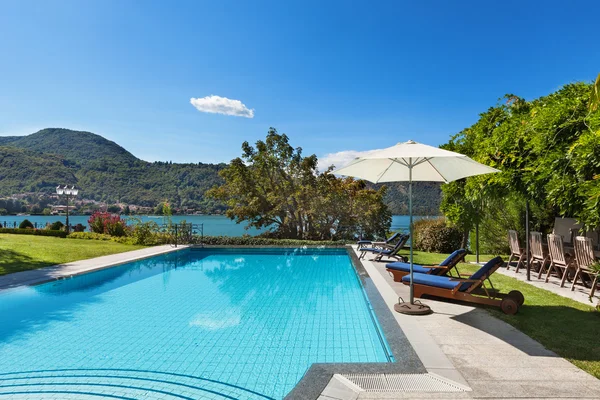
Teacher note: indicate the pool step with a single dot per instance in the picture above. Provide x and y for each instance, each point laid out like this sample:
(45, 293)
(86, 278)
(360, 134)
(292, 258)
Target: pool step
(117, 384)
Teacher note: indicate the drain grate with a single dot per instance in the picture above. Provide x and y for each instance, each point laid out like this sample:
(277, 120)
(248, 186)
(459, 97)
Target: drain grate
(404, 383)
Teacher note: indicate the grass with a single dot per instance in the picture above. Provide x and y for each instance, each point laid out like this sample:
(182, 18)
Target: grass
(565, 326)
(26, 252)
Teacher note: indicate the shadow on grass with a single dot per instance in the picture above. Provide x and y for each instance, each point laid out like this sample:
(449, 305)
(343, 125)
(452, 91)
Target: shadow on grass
(12, 261)
(569, 332)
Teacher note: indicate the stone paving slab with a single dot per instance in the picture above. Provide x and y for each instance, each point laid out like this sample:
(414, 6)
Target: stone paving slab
(495, 359)
(41, 275)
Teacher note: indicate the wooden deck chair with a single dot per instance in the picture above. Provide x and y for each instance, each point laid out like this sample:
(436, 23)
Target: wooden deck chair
(538, 257)
(389, 252)
(472, 289)
(584, 256)
(515, 250)
(559, 262)
(401, 269)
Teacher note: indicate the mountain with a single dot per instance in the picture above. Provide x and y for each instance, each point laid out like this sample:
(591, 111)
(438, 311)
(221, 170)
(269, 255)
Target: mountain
(105, 171)
(83, 147)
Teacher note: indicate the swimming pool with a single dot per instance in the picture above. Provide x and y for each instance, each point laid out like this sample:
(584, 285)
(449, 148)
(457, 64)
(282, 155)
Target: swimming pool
(207, 323)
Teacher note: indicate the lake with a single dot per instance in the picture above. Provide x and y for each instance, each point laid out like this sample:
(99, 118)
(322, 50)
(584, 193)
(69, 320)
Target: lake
(214, 225)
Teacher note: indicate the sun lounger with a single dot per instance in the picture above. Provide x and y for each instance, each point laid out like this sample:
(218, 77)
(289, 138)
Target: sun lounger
(388, 241)
(472, 289)
(400, 269)
(389, 252)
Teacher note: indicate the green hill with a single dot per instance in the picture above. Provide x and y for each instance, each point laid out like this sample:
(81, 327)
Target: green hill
(105, 171)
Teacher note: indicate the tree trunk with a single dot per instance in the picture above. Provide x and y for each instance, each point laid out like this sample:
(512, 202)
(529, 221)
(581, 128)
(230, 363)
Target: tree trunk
(465, 239)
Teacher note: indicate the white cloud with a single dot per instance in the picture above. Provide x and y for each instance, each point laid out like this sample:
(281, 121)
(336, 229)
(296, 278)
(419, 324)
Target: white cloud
(341, 158)
(222, 105)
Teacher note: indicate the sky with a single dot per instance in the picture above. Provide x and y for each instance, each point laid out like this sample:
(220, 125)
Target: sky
(190, 81)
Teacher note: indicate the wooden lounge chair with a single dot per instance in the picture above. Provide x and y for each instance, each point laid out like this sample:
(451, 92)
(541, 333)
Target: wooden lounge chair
(400, 269)
(388, 241)
(515, 250)
(472, 289)
(559, 263)
(387, 251)
(584, 256)
(538, 257)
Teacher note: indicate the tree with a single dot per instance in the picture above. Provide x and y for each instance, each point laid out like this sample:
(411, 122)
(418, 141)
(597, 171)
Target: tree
(273, 185)
(548, 150)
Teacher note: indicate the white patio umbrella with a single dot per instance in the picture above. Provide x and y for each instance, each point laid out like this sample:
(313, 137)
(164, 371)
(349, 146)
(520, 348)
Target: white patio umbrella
(413, 162)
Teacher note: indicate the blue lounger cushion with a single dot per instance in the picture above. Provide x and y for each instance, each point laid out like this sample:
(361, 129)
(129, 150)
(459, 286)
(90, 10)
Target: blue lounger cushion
(447, 282)
(405, 267)
(364, 242)
(432, 280)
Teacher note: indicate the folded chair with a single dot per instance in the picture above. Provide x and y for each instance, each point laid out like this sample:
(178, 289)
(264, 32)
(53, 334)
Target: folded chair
(387, 251)
(472, 289)
(584, 254)
(559, 263)
(400, 269)
(515, 250)
(538, 257)
(388, 241)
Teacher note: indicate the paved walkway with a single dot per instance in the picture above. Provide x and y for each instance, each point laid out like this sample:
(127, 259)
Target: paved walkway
(54, 272)
(493, 358)
(580, 292)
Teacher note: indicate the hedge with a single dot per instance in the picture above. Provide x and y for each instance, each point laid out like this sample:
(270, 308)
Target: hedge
(434, 235)
(38, 232)
(259, 241)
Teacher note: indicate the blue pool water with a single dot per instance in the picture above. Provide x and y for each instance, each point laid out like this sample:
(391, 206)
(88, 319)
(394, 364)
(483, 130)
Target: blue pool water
(194, 324)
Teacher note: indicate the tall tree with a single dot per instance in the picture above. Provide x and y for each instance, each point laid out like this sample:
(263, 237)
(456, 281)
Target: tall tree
(273, 185)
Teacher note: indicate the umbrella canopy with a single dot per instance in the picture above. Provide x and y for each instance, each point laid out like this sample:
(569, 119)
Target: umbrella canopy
(430, 164)
(411, 162)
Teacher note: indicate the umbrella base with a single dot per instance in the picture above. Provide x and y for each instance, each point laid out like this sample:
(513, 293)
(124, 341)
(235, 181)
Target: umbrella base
(412, 308)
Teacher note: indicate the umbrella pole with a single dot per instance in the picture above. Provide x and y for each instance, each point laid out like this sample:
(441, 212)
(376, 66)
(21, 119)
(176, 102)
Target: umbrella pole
(411, 307)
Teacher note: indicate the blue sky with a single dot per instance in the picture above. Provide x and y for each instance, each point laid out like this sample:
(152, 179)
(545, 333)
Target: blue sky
(335, 76)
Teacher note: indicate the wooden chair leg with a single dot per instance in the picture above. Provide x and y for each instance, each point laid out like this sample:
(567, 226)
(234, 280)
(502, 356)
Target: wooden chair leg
(509, 261)
(550, 268)
(575, 279)
(594, 284)
(564, 277)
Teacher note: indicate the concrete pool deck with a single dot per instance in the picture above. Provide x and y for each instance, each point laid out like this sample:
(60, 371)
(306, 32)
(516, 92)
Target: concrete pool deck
(468, 345)
(54, 272)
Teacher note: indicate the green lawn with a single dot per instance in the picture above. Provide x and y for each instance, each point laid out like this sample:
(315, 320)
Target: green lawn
(567, 327)
(25, 252)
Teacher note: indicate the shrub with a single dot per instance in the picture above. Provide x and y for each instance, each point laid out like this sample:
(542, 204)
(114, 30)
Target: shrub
(100, 236)
(38, 232)
(433, 235)
(79, 228)
(26, 224)
(146, 233)
(103, 222)
(56, 226)
(248, 240)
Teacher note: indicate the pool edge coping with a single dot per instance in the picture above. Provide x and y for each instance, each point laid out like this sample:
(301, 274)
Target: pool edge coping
(20, 279)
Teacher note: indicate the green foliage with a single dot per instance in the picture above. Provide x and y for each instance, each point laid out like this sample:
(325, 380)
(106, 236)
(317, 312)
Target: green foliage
(56, 226)
(273, 185)
(247, 240)
(26, 224)
(549, 153)
(434, 235)
(37, 232)
(146, 233)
